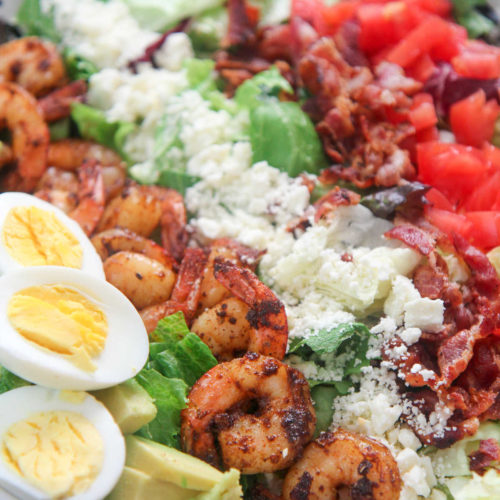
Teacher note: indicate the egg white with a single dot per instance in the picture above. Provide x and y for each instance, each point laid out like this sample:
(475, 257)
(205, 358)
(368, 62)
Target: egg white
(91, 262)
(125, 351)
(19, 404)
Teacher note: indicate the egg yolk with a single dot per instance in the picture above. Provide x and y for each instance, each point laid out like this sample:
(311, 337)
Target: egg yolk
(61, 320)
(36, 237)
(59, 452)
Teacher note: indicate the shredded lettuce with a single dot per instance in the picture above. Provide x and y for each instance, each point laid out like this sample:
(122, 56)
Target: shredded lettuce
(9, 381)
(92, 124)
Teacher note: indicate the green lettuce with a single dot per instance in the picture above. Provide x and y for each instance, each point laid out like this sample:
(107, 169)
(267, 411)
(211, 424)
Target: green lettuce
(177, 359)
(468, 16)
(33, 21)
(9, 381)
(92, 124)
(284, 136)
(59, 129)
(262, 88)
(160, 15)
(170, 397)
(323, 396)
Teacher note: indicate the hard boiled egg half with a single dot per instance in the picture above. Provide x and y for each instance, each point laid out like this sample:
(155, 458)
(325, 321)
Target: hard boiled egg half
(56, 445)
(65, 329)
(36, 233)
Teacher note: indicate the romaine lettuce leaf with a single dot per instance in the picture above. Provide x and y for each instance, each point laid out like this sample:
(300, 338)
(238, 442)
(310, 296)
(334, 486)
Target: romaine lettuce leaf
(33, 21)
(323, 396)
(170, 397)
(78, 67)
(160, 15)
(208, 29)
(284, 136)
(92, 124)
(9, 381)
(263, 87)
(468, 16)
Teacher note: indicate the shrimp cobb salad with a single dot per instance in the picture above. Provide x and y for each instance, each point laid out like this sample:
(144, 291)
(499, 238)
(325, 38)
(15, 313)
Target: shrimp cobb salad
(249, 249)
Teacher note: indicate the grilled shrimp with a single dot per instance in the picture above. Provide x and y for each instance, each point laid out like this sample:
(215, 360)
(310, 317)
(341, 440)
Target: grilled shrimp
(115, 240)
(343, 461)
(142, 208)
(253, 413)
(143, 280)
(91, 197)
(211, 291)
(186, 292)
(70, 154)
(30, 136)
(263, 322)
(33, 63)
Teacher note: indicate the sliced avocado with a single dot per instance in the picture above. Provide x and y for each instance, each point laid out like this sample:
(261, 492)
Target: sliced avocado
(228, 488)
(168, 464)
(129, 403)
(137, 485)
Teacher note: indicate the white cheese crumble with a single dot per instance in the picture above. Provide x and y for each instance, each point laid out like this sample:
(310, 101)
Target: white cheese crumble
(103, 32)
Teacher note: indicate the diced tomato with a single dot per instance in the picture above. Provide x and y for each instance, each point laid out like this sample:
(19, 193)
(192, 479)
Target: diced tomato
(473, 119)
(486, 195)
(439, 200)
(450, 46)
(422, 68)
(478, 60)
(305, 9)
(492, 155)
(448, 222)
(427, 35)
(330, 17)
(452, 168)
(439, 7)
(422, 113)
(484, 229)
(382, 25)
(253, 13)
(430, 134)
(395, 116)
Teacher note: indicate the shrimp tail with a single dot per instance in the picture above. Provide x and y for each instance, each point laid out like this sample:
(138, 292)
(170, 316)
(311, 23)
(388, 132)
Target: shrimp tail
(267, 313)
(187, 288)
(57, 104)
(174, 236)
(91, 197)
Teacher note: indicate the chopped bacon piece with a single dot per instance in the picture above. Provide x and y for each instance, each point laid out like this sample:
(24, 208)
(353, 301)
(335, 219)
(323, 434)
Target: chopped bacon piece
(486, 456)
(414, 237)
(241, 31)
(335, 198)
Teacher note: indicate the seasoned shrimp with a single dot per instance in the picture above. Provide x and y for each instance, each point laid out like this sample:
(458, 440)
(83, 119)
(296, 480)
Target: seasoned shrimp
(253, 413)
(33, 63)
(115, 240)
(225, 329)
(264, 327)
(30, 136)
(186, 292)
(143, 280)
(142, 208)
(90, 197)
(211, 291)
(343, 461)
(70, 154)
(60, 188)
(57, 104)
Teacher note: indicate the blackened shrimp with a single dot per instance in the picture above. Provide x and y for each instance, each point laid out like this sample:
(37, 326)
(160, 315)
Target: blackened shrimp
(255, 320)
(19, 113)
(343, 461)
(143, 280)
(143, 208)
(253, 413)
(33, 63)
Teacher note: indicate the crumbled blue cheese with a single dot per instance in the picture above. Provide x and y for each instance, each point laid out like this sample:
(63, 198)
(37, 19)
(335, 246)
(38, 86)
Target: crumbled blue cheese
(103, 32)
(424, 313)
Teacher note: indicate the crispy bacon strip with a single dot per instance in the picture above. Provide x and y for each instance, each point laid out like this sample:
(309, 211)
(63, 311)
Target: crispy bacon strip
(414, 237)
(485, 457)
(241, 31)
